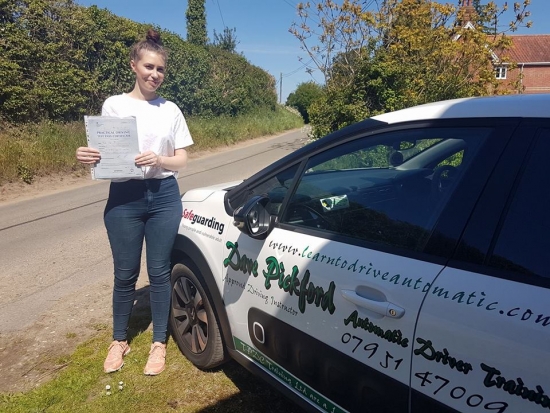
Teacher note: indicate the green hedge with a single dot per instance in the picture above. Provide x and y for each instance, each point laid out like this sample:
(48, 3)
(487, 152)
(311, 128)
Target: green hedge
(59, 61)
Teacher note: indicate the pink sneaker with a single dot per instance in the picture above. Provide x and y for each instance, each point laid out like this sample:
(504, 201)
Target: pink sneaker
(115, 357)
(157, 359)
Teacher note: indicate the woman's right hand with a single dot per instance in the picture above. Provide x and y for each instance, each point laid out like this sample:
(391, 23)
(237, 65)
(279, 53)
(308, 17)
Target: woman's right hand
(87, 155)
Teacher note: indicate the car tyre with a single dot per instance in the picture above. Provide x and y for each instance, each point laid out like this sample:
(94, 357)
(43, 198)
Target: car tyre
(193, 321)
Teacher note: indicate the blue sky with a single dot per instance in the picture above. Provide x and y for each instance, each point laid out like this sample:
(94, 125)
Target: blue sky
(262, 29)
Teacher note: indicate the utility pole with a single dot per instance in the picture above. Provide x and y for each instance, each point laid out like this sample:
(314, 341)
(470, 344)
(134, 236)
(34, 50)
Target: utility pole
(281, 89)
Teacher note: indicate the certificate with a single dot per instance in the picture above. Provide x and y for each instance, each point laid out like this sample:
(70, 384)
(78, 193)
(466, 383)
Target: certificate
(116, 140)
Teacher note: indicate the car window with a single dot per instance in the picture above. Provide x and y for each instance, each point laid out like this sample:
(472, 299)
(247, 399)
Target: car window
(388, 189)
(524, 240)
(275, 187)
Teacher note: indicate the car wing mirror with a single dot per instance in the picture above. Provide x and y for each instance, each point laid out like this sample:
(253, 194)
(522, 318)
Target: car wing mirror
(253, 218)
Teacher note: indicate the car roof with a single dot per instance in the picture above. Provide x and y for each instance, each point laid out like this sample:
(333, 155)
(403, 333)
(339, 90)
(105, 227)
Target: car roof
(509, 106)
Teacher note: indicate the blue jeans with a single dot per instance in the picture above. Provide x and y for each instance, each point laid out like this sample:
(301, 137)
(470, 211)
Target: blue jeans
(147, 209)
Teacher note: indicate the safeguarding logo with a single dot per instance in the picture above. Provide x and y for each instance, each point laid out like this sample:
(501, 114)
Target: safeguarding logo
(201, 220)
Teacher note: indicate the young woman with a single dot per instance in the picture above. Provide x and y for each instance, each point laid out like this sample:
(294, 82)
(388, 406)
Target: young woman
(144, 209)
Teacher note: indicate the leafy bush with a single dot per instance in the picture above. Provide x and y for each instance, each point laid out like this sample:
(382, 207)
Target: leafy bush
(305, 94)
(59, 61)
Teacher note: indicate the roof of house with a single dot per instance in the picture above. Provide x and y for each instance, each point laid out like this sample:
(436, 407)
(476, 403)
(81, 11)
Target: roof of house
(530, 48)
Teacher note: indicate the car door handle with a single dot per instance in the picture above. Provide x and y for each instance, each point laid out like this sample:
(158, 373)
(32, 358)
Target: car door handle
(381, 307)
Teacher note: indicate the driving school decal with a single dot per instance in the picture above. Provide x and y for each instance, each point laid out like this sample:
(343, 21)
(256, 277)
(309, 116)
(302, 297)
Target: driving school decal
(209, 222)
(475, 299)
(286, 377)
(276, 275)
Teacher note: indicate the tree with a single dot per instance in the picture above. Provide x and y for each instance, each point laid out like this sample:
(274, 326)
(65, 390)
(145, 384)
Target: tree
(403, 53)
(487, 17)
(344, 30)
(227, 40)
(305, 94)
(196, 22)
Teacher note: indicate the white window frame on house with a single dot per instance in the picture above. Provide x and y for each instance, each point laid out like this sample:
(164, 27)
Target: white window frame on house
(500, 72)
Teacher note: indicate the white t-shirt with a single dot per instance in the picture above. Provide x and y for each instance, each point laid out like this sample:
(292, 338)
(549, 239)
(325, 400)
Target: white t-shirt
(161, 127)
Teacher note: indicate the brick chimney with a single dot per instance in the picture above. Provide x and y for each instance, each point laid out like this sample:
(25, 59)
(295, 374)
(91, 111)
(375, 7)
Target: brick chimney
(467, 10)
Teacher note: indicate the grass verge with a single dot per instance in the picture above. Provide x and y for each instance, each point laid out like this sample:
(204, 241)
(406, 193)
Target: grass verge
(215, 132)
(81, 386)
(32, 150)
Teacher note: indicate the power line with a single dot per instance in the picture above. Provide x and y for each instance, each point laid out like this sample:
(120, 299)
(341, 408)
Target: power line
(290, 4)
(282, 76)
(297, 70)
(221, 15)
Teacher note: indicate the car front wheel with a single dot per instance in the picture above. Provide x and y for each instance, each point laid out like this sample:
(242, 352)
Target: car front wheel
(192, 319)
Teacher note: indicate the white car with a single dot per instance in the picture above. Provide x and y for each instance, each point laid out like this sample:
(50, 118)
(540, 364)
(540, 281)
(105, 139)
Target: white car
(401, 264)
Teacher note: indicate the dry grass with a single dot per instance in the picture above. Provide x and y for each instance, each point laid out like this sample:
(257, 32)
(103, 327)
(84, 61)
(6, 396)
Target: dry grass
(36, 150)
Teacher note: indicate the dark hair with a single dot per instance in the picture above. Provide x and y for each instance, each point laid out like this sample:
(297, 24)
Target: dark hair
(152, 43)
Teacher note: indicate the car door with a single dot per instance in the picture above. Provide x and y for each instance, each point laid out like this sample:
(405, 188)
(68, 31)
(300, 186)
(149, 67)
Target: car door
(327, 303)
(483, 336)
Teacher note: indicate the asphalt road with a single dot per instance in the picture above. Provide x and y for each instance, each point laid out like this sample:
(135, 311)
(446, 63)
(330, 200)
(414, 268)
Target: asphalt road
(54, 249)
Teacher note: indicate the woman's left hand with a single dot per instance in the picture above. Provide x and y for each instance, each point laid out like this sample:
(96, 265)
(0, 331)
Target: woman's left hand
(148, 158)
